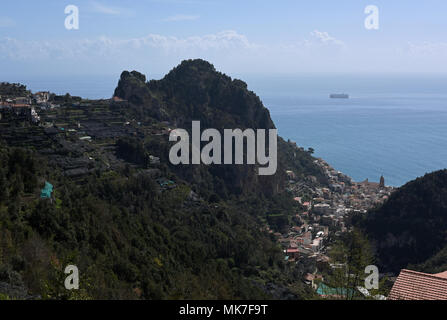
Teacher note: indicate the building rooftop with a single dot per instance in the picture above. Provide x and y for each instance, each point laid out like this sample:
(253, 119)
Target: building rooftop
(413, 285)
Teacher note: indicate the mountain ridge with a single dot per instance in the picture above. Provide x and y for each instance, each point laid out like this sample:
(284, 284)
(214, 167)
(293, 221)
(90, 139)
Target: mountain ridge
(194, 90)
(137, 226)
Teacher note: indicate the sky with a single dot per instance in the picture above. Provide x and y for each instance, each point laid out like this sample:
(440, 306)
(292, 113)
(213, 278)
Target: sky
(239, 37)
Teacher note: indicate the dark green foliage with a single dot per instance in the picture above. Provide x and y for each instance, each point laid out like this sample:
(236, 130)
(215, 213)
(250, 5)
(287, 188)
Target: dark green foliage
(194, 90)
(132, 150)
(411, 226)
(128, 239)
(65, 99)
(132, 87)
(352, 253)
(123, 234)
(435, 264)
(13, 90)
(131, 237)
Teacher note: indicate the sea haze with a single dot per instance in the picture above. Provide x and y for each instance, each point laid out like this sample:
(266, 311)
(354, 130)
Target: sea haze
(392, 125)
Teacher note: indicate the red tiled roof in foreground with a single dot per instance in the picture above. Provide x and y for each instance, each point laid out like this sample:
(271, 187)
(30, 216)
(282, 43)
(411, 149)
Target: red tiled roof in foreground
(413, 285)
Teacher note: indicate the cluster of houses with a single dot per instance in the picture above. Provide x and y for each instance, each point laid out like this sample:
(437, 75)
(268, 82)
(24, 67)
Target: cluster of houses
(324, 212)
(25, 107)
(345, 195)
(325, 209)
(305, 240)
(328, 206)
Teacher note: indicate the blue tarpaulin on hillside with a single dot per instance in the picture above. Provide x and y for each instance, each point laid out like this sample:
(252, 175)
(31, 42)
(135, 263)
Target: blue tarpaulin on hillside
(324, 290)
(46, 191)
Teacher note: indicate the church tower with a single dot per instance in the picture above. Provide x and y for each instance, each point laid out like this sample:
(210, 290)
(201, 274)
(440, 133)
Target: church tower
(382, 182)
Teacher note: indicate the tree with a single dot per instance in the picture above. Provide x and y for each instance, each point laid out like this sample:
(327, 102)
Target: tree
(3, 187)
(349, 256)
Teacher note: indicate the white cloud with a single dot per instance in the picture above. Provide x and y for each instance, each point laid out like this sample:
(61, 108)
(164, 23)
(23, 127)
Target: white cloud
(325, 38)
(111, 47)
(181, 17)
(228, 50)
(108, 10)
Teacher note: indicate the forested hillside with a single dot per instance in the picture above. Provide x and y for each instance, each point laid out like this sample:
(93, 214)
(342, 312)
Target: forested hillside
(138, 228)
(411, 227)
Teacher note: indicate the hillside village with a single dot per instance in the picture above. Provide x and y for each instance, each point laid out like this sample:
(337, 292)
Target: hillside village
(80, 136)
(324, 212)
(77, 135)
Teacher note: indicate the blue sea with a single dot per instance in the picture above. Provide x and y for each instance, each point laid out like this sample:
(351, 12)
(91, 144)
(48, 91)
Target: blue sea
(392, 125)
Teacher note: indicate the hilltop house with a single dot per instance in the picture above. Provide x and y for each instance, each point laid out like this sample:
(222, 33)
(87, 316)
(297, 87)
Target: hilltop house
(42, 97)
(22, 101)
(293, 253)
(317, 244)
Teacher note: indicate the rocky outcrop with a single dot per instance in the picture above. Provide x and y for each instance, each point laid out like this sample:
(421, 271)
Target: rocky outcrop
(194, 90)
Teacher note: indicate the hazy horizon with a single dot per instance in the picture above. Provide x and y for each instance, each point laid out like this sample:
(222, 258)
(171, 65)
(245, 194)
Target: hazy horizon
(238, 38)
(102, 85)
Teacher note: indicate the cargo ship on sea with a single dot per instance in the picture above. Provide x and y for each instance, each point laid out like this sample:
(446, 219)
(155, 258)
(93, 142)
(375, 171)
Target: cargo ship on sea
(339, 96)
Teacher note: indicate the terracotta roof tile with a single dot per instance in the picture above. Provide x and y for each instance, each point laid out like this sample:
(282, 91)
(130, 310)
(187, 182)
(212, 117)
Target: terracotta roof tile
(413, 285)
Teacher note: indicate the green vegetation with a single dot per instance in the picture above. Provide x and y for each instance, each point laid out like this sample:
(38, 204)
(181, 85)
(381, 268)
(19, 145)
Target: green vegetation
(350, 255)
(13, 90)
(200, 236)
(409, 230)
(128, 239)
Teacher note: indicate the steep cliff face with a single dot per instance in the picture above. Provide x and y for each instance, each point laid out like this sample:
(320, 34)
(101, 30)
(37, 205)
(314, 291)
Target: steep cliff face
(411, 226)
(194, 90)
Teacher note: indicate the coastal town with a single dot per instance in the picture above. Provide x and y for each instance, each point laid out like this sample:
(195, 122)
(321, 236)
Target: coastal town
(323, 214)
